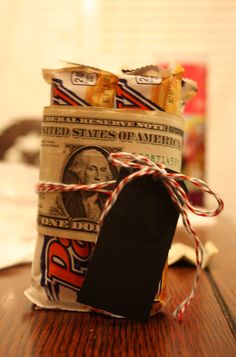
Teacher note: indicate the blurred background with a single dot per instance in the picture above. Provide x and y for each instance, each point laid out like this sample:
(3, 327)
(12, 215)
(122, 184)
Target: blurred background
(110, 34)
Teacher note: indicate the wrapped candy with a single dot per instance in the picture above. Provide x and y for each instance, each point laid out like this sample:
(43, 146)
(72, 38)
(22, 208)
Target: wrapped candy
(90, 118)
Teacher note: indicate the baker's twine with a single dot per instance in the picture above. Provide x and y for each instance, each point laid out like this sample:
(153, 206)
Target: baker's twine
(143, 166)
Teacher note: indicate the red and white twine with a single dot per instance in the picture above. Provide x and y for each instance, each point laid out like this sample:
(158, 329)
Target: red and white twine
(143, 166)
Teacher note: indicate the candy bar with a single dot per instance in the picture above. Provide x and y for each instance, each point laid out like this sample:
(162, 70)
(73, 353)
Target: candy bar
(89, 119)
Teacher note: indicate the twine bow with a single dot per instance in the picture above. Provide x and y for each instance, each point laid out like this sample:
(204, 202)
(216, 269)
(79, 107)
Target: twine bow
(144, 166)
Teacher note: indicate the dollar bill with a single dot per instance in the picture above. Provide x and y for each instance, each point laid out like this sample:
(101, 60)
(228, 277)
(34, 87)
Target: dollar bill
(76, 144)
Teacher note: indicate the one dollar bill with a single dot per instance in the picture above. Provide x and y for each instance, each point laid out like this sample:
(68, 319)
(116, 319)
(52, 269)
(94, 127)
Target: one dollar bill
(76, 144)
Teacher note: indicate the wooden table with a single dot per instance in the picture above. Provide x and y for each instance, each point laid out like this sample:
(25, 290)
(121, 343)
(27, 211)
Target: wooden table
(208, 328)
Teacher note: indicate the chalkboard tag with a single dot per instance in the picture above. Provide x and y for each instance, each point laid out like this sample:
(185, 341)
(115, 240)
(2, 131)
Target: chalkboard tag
(132, 247)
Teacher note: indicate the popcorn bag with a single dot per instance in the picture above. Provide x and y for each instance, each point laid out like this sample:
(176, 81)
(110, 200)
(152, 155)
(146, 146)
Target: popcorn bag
(107, 206)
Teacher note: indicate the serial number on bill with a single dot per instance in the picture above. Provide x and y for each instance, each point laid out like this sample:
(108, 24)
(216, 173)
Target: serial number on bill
(163, 159)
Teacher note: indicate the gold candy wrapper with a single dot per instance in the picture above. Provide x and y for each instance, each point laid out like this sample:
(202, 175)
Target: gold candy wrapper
(146, 88)
(82, 86)
(165, 85)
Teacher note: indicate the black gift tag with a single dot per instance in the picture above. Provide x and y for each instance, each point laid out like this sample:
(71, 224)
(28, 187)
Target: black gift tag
(131, 250)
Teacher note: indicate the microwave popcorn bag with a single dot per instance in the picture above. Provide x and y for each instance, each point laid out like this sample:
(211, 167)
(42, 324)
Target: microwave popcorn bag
(74, 136)
(68, 221)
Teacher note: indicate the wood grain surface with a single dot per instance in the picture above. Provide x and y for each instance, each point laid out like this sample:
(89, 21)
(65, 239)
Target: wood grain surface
(28, 332)
(222, 267)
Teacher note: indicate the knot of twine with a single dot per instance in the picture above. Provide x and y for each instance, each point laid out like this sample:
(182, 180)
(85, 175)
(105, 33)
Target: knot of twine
(143, 166)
